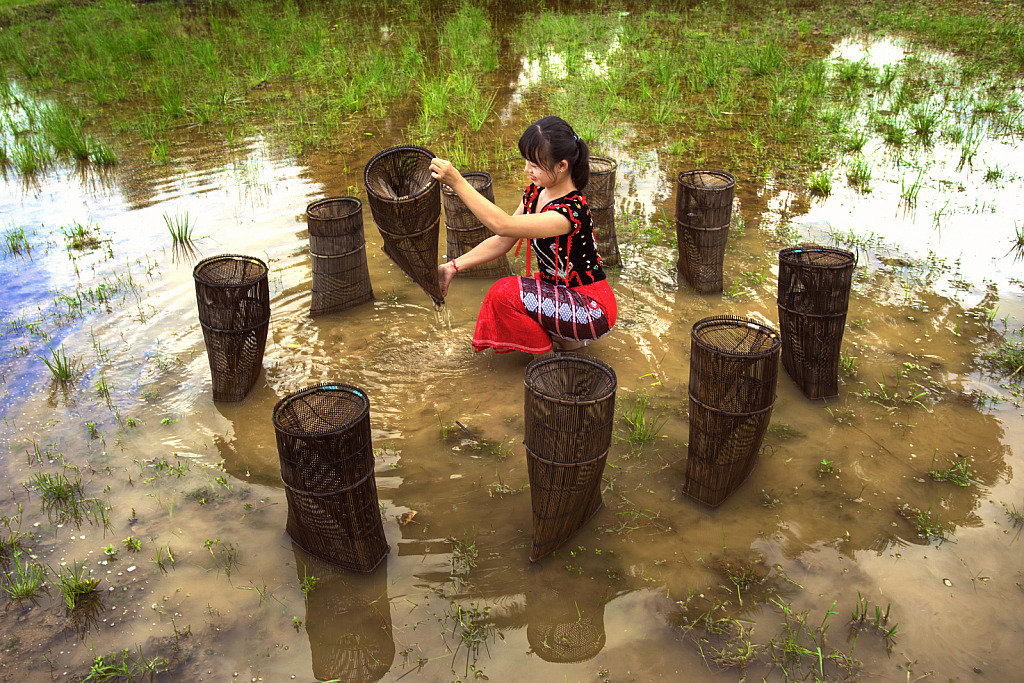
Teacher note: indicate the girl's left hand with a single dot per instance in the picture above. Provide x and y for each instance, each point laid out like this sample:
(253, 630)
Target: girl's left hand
(443, 170)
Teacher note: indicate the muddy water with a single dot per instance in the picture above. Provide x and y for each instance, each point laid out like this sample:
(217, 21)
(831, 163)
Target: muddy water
(457, 598)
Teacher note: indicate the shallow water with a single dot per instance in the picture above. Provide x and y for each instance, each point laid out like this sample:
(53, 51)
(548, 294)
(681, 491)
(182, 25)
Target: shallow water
(457, 598)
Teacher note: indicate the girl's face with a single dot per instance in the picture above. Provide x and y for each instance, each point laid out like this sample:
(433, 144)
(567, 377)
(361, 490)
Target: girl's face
(542, 177)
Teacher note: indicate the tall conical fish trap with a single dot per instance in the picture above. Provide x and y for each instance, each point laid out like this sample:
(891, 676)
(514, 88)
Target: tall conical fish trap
(734, 368)
(570, 411)
(464, 230)
(233, 297)
(814, 296)
(326, 453)
(703, 213)
(337, 249)
(566, 627)
(406, 205)
(600, 194)
(348, 621)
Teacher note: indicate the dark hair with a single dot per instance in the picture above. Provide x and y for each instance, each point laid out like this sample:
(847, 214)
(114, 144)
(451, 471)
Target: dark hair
(550, 140)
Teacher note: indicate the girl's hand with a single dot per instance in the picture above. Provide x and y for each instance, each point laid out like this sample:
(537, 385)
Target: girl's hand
(443, 170)
(445, 275)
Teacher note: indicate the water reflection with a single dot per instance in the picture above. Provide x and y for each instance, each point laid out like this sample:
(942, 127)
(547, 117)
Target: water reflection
(250, 452)
(565, 616)
(348, 620)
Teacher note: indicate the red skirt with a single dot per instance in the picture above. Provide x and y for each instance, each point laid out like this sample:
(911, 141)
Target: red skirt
(521, 314)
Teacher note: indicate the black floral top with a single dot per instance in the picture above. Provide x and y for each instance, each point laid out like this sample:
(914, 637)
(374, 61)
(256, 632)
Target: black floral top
(571, 260)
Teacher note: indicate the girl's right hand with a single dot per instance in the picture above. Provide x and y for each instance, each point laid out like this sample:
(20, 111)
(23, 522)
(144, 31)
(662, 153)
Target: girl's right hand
(442, 170)
(445, 275)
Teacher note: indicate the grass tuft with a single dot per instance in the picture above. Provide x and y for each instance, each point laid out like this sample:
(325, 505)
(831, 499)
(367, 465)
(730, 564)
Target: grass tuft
(180, 227)
(76, 584)
(62, 366)
(820, 183)
(642, 426)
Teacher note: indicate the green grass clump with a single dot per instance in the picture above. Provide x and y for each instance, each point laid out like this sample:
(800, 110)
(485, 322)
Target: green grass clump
(1007, 359)
(959, 473)
(62, 128)
(115, 667)
(643, 427)
(26, 581)
(764, 59)
(820, 183)
(180, 227)
(62, 367)
(924, 121)
(80, 236)
(14, 242)
(76, 584)
(858, 174)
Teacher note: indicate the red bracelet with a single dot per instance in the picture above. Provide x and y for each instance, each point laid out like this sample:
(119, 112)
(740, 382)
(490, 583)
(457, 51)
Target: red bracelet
(455, 266)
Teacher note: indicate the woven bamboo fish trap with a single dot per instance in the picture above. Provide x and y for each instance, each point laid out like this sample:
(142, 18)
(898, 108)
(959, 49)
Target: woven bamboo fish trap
(814, 296)
(464, 230)
(600, 189)
(703, 213)
(570, 411)
(337, 249)
(603, 221)
(348, 621)
(233, 297)
(406, 205)
(566, 627)
(326, 453)
(734, 368)
(600, 194)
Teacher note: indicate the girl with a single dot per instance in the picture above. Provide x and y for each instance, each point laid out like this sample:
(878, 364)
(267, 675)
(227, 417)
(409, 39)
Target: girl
(569, 300)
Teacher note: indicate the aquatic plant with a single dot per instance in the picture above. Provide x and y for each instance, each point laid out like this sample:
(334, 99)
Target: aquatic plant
(924, 121)
(858, 174)
(62, 367)
(75, 583)
(820, 183)
(928, 526)
(62, 127)
(642, 426)
(116, 667)
(14, 243)
(26, 581)
(80, 236)
(1007, 359)
(959, 473)
(180, 227)
(764, 59)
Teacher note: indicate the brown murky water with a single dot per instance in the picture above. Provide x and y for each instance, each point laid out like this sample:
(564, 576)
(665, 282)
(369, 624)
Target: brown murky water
(457, 598)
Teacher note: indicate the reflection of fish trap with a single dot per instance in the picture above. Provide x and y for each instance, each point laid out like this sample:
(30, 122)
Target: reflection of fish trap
(703, 212)
(814, 295)
(323, 441)
(600, 194)
(566, 628)
(337, 249)
(734, 367)
(406, 205)
(570, 409)
(233, 296)
(465, 231)
(348, 621)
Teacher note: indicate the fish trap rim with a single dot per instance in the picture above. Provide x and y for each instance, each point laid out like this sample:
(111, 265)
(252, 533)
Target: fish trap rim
(393, 150)
(533, 370)
(831, 258)
(313, 209)
(205, 265)
(348, 389)
(702, 331)
(695, 179)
